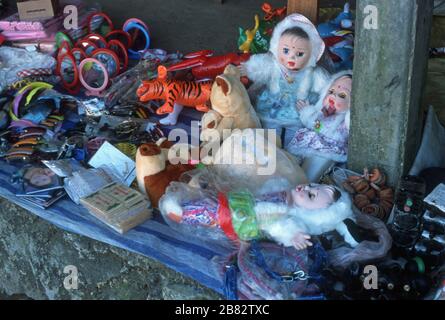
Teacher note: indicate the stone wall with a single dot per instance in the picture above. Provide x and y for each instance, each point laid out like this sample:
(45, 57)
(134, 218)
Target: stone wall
(34, 253)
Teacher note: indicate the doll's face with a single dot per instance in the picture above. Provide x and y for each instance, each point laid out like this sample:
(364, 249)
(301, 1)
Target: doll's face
(338, 99)
(313, 196)
(294, 52)
(41, 178)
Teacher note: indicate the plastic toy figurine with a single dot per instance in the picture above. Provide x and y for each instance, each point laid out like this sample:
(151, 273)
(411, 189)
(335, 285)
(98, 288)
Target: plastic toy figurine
(256, 40)
(288, 217)
(154, 171)
(324, 138)
(250, 36)
(205, 66)
(186, 93)
(287, 73)
(339, 38)
(344, 21)
(231, 107)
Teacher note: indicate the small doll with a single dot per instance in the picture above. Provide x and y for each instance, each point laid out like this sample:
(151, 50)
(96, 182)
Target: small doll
(287, 73)
(289, 217)
(324, 138)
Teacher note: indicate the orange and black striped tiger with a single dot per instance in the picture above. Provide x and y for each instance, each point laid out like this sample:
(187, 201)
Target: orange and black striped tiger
(186, 93)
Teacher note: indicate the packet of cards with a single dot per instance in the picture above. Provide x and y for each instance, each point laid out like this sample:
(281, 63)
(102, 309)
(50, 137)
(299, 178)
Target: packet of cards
(85, 182)
(118, 206)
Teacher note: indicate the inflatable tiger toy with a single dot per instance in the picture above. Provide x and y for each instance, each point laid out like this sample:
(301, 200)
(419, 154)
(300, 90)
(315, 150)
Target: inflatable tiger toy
(185, 93)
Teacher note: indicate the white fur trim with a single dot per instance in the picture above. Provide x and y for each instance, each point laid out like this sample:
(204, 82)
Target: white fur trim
(298, 20)
(311, 222)
(284, 231)
(317, 222)
(309, 152)
(348, 120)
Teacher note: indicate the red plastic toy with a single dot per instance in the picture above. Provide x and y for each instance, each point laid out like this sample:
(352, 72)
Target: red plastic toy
(205, 66)
(185, 93)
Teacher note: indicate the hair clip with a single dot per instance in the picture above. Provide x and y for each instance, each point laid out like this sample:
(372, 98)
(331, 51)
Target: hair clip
(18, 157)
(126, 129)
(20, 151)
(27, 142)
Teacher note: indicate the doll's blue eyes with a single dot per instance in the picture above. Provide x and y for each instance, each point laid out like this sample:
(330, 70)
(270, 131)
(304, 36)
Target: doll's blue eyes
(299, 54)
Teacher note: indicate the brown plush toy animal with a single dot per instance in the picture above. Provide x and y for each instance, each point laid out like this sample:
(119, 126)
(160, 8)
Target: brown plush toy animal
(154, 171)
(231, 107)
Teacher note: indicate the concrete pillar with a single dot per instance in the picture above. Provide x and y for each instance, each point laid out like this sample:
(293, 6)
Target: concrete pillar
(389, 76)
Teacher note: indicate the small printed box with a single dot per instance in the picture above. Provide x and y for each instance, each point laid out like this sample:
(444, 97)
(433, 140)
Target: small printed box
(37, 9)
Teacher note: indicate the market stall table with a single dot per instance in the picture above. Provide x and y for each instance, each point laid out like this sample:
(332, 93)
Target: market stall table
(153, 239)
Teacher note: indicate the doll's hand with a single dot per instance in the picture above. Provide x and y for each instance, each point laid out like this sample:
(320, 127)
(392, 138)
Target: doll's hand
(301, 104)
(242, 70)
(301, 241)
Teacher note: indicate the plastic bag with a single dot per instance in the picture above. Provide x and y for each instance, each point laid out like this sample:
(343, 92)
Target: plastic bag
(268, 271)
(85, 182)
(211, 206)
(124, 87)
(192, 211)
(432, 151)
(14, 60)
(250, 160)
(342, 257)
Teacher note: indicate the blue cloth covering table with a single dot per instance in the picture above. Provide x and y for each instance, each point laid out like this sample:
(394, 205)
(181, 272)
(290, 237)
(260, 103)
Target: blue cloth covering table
(154, 239)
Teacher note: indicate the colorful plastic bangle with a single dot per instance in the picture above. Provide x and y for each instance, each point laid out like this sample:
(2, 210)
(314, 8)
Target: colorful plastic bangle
(61, 37)
(64, 48)
(100, 14)
(95, 91)
(65, 83)
(87, 46)
(96, 55)
(135, 20)
(78, 55)
(120, 35)
(97, 39)
(121, 51)
(133, 25)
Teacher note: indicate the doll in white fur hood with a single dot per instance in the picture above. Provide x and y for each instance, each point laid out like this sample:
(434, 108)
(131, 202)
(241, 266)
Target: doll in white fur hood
(289, 217)
(324, 138)
(287, 73)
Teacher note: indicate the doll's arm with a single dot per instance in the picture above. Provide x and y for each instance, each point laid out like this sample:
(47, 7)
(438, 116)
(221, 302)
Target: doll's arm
(342, 229)
(288, 232)
(308, 115)
(321, 80)
(258, 68)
